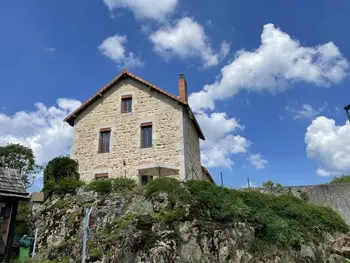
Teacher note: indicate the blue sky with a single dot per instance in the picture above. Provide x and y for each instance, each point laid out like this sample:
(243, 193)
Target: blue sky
(268, 79)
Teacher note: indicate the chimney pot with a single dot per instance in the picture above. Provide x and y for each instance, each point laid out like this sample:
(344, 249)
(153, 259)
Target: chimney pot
(183, 88)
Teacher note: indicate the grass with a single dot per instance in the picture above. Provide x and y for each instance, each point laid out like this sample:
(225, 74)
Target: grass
(284, 221)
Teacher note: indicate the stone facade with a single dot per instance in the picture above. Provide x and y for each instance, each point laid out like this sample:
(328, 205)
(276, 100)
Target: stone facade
(175, 142)
(193, 166)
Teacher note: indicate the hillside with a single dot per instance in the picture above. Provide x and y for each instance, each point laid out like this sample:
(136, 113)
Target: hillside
(194, 222)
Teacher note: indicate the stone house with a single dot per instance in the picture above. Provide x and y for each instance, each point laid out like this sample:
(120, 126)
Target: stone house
(36, 200)
(132, 128)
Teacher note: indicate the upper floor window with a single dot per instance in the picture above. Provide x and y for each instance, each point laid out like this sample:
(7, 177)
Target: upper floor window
(101, 176)
(105, 135)
(126, 103)
(146, 135)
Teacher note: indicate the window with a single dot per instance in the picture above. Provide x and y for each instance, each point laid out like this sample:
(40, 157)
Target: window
(126, 103)
(105, 135)
(146, 135)
(101, 176)
(145, 179)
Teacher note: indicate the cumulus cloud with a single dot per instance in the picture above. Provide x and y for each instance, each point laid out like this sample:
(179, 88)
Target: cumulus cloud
(257, 161)
(43, 129)
(145, 9)
(186, 39)
(114, 48)
(274, 66)
(220, 143)
(306, 111)
(329, 145)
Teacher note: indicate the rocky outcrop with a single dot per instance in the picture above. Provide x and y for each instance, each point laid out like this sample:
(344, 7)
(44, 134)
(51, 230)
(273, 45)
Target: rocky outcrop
(128, 228)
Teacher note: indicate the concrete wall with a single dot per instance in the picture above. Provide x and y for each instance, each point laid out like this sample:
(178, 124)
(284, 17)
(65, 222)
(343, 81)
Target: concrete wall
(335, 196)
(148, 105)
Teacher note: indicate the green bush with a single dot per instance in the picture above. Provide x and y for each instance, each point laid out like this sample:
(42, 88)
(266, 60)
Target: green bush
(100, 186)
(278, 220)
(111, 185)
(176, 192)
(121, 184)
(62, 187)
(341, 179)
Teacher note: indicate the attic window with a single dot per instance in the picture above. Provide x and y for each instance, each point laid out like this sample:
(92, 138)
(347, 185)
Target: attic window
(126, 104)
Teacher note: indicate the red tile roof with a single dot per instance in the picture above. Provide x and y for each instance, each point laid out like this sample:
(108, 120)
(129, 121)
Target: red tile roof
(124, 73)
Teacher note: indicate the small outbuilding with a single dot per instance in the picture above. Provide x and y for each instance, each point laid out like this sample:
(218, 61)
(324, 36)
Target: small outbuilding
(12, 190)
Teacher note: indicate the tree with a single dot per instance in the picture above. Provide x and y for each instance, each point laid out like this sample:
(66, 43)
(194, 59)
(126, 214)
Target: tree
(59, 168)
(21, 158)
(61, 176)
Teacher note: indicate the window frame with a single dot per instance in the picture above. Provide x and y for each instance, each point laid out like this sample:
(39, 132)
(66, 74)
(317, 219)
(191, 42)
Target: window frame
(126, 100)
(101, 176)
(104, 149)
(145, 145)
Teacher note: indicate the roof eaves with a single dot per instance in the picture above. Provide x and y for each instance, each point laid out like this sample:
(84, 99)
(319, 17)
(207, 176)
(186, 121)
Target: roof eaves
(71, 117)
(195, 122)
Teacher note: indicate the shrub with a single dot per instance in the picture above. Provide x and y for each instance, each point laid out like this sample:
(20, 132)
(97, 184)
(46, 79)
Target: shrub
(121, 184)
(278, 220)
(111, 185)
(176, 192)
(62, 187)
(341, 179)
(100, 186)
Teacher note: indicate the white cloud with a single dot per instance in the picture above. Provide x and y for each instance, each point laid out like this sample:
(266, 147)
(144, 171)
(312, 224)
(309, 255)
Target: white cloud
(306, 111)
(277, 64)
(114, 48)
(321, 172)
(220, 143)
(43, 130)
(329, 144)
(49, 49)
(145, 9)
(187, 39)
(257, 161)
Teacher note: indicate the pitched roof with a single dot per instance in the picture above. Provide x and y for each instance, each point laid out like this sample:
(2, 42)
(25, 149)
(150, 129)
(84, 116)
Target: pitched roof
(11, 184)
(124, 73)
(206, 172)
(37, 197)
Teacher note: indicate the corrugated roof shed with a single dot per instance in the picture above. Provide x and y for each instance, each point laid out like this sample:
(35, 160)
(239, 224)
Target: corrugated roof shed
(11, 184)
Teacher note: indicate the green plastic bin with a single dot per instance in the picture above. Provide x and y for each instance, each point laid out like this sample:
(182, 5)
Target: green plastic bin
(26, 244)
(24, 254)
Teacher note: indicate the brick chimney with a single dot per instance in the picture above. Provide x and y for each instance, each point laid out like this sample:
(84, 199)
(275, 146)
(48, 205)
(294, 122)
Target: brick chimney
(182, 88)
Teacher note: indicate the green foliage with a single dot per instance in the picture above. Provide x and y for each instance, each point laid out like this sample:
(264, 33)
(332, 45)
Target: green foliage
(341, 179)
(217, 203)
(22, 219)
(100, 186)
(62, 187)
(111, 185)
(304, 196)
(278, 220)
(95, 254)
(60, 168)
(61, 176)
(121, 184)
(22, 159)
(176, 192)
